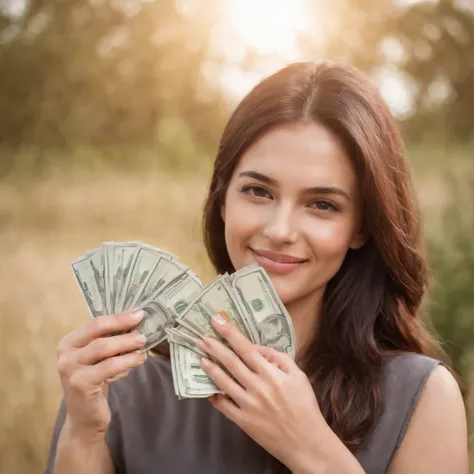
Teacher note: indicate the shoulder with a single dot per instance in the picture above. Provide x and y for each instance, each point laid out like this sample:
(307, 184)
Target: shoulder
(435, 434)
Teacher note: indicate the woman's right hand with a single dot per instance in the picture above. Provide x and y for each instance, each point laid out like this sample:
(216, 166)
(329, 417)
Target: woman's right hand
(88, 359)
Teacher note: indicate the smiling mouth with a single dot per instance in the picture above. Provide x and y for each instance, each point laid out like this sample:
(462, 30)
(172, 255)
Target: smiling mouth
(278, 257)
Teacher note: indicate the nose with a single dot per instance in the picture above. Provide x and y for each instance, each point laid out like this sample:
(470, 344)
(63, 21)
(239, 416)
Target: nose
(279, 227)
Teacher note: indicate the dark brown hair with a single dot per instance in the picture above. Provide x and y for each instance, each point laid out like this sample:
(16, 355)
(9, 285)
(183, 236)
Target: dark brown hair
(371, 306)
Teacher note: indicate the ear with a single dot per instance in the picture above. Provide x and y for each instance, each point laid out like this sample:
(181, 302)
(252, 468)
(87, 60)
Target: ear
(358, 240)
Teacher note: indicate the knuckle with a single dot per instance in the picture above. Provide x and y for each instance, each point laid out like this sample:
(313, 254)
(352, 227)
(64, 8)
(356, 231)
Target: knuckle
(265, 397)
(100, 346)
(231, 363)
(60, 348)
(278, 383)
(253, 404)
(227, 330)
(255, 356)
(76, 382)
(101, 323)
(64, 364)
(113, 365)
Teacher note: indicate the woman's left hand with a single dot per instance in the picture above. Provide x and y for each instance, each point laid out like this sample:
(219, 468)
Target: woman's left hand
(274, 403)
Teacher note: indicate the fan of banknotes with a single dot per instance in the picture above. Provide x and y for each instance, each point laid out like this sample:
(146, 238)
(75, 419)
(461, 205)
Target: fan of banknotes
(123, 276)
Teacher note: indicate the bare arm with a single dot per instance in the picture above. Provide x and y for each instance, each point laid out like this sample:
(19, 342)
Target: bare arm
(436, 439)
(75, 455)
(88, 360)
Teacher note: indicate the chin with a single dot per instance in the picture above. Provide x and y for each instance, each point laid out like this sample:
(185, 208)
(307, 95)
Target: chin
(285, 294)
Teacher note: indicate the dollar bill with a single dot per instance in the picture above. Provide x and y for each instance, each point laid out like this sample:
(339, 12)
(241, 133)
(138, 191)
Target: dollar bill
(116, 257)
(97, 263)
(152, 269)
(189, 380)
(180, 292)
(178, 307)
(185, 338)
(217, 297)
(84, 271)
(264, 309)
(166, 271)
(144, 263)
(153, 326)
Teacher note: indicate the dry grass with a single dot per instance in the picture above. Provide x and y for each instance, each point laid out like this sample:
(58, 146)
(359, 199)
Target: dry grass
(44, 226)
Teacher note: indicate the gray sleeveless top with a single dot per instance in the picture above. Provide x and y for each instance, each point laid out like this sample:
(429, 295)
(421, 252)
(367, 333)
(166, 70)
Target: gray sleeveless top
(152, 432)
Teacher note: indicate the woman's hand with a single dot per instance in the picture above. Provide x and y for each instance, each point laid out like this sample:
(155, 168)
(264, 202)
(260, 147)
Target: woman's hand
(273, 401)
(88, 359)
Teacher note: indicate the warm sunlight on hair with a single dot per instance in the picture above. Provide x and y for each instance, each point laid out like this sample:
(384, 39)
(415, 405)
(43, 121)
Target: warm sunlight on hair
(268, 26)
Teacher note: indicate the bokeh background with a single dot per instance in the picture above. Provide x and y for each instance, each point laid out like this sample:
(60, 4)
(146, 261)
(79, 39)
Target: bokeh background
(110, 116)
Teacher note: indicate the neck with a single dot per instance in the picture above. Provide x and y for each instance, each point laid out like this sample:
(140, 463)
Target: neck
(305, 314)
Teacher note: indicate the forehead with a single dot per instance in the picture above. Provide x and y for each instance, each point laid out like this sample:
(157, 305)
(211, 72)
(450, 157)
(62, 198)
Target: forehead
(303, 155)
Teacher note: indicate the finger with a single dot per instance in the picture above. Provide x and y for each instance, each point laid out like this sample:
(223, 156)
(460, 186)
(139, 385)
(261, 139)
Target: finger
(279, 359)
(101, 326)
(118, 376)
(239, 343)
(229, 359)
(227, 408)
(110, 368)
(224, 382)
(105, 347)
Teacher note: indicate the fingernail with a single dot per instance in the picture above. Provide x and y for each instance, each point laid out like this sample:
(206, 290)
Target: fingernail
(219, 319)
(140, 338)
(205, 362)
(137, 315)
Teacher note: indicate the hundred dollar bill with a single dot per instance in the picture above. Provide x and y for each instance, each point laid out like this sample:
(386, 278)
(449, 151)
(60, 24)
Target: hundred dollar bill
(217, 297)
(264, 309)
(85, 273)
(189, 380)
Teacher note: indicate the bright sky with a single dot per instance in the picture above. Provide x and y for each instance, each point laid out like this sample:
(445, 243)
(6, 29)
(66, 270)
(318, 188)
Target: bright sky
(270, 28)
(268, 25)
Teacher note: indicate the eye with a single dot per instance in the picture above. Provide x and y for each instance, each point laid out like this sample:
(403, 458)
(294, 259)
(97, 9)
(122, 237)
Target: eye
(253, 190)
(323, 205)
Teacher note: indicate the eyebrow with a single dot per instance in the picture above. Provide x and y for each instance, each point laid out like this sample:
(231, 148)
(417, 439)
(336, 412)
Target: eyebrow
(314, 190)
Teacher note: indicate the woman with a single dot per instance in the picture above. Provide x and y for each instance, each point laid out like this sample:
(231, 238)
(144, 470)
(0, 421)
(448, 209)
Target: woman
(310, 182)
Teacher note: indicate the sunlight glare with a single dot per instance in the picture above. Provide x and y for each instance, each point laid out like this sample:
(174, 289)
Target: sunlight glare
(268, 26)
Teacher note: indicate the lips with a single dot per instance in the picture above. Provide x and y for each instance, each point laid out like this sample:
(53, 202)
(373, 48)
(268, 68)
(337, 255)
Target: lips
(278, 257)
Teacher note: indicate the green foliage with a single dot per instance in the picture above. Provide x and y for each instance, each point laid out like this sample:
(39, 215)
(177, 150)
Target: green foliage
(428, 43)
(107, 103)
(103, 73)
(451, 251)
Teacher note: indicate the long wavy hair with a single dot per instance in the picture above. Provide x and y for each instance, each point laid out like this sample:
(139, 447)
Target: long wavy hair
(371, 307)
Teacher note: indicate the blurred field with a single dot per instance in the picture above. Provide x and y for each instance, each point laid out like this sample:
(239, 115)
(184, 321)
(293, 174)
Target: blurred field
(45, 225)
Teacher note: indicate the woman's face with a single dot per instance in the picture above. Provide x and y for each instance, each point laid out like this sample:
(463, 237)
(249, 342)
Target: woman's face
(292, 207)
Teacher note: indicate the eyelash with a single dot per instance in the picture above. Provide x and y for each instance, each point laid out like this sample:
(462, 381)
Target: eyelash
(245, 189)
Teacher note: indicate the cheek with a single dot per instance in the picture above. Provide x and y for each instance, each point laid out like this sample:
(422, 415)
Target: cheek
(329, 239)
(241, 223)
